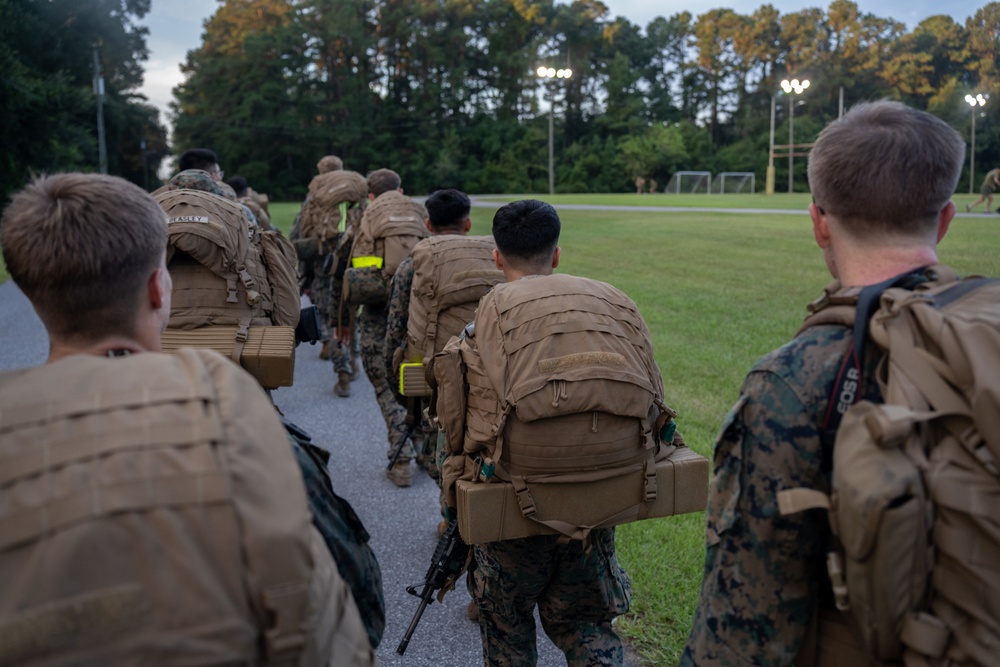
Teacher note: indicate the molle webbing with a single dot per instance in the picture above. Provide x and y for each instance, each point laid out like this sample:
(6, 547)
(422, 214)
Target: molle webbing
(199, 298)
(565, 389)
(132, 490)
(570, 346)
(451, 274)
(391, 226)
(572, 443)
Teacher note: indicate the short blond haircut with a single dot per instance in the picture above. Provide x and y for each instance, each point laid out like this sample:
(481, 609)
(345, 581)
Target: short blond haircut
(81, 247)
(885, 169)
(329, 163)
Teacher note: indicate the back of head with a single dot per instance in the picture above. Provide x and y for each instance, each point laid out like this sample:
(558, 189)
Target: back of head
(238, 184)
(527, 233)
(329, 163)
(197, 158)
(381, 181)
(448, 209)
(81, 247)
(885, 169)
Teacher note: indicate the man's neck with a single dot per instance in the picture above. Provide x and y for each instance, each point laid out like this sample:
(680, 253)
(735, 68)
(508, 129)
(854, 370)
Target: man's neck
(871, 268)
(112, 346)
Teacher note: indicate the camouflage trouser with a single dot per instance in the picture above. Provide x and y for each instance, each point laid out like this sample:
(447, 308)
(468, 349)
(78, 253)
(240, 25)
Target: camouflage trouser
(321, 296)
(371, 331)
(577, 596)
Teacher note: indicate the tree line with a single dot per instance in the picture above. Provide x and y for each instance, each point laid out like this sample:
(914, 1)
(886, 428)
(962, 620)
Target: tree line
(445, 91)
(48, 106)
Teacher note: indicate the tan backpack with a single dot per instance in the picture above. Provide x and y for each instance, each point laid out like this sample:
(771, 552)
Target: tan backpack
(391, 226)
(915, 484)
(153, 513)
(561, 385)
(331, 198)
(225, 273)
(450, 274)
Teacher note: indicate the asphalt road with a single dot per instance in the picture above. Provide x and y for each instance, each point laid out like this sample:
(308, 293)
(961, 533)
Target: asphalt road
(402, 522)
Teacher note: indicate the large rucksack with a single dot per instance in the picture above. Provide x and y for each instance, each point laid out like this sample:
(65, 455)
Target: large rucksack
(391, 226)
(450, 274)
(332, 198)
(151, 514)
(224, 272)
(561, 387)
(916, 560)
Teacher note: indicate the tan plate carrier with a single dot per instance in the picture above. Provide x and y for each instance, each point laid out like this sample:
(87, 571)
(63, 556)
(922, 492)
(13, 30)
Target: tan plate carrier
(681, 488)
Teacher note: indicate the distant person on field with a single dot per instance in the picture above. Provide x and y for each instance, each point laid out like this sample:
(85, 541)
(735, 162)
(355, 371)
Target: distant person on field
(160, 515)
(990, 183)
(882, 178)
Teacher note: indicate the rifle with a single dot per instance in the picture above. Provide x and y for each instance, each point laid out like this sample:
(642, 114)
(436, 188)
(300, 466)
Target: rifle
(447, 563)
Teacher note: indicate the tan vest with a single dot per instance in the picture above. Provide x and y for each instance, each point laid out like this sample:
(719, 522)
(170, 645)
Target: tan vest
(151, 512)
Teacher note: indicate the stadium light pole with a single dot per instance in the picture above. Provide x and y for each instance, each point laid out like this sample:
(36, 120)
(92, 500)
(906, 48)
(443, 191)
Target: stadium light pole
(792, 88)
(550, 73)
(977, 101)
(769, 177)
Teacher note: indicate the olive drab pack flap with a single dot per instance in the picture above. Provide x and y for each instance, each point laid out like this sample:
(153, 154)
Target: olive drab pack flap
(450, 274)
(915, 480)
(332, 196)
(559, 384)
(390, 227)
(123, 501)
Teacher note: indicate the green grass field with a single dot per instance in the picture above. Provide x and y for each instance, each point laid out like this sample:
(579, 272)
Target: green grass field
(718, 290)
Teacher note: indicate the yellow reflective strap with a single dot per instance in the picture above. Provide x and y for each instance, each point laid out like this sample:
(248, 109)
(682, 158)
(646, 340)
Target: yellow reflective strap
(365, 262)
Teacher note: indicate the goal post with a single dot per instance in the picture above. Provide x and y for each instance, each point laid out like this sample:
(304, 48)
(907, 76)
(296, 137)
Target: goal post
(686, 182)
(734, 182)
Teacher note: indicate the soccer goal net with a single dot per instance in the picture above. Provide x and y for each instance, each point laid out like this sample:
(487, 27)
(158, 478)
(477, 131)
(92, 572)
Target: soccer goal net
(734, 182)
(689, 181)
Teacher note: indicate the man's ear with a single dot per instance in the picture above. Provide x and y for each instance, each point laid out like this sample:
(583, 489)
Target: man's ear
(467, 225)
(427, 224)
(498, 259)
(371, 197)
(555, 257)
(821, 229)
(945, 217)
(158, 288)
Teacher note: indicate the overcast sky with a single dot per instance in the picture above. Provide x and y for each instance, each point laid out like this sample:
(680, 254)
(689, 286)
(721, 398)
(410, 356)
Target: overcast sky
(175, 26)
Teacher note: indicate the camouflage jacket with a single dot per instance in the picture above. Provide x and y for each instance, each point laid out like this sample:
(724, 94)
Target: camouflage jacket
(765, 574)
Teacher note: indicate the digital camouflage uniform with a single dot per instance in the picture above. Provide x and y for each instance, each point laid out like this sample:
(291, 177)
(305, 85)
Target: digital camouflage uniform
(397, 319)
(765, 574)
(578, 595)
(198, 179)
(371, 324)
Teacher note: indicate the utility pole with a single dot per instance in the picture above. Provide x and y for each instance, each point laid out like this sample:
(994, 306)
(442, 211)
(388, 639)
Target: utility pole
(102, 149)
